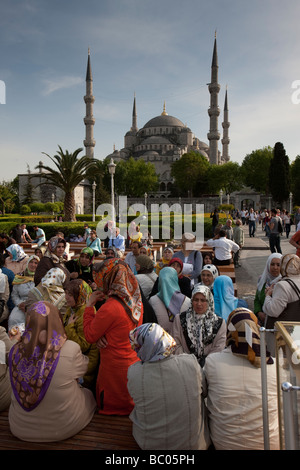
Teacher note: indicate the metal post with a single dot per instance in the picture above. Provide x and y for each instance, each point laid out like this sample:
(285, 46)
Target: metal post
(288, 415)
(264, 387)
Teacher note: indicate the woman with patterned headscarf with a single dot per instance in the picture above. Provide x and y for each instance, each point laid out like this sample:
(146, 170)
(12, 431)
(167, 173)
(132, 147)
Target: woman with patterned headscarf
(50, 289)
(208, 275)
(82, 267)
(47, 402)
(283, 299)
(199, 330)
(162, 419)
(17, 259)
(169, 300)
(234, 394)
(22, 284)
(121, 312)
(53, 258)
(77, 293)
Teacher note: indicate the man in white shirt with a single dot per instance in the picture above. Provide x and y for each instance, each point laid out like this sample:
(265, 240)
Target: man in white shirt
(223, 248)
(130, 258)
(118, 241)
(252, 222)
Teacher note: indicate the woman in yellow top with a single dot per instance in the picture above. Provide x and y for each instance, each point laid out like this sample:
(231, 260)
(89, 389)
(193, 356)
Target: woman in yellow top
(77, 293)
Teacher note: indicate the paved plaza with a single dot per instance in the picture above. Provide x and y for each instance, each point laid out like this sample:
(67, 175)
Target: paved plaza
(253, 259)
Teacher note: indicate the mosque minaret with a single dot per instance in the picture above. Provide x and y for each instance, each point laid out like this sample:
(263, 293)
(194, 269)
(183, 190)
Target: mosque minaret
(89, 120)
(214, 110)
(225, 124)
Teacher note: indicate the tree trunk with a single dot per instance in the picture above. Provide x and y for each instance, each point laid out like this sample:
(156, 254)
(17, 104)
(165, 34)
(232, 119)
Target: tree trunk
(69, 207)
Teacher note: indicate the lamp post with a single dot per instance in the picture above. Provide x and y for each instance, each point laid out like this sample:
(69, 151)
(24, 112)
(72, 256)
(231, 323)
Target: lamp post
(94, 191)
(291, 200)
(145, 196)
(221, 196)
(112, 169)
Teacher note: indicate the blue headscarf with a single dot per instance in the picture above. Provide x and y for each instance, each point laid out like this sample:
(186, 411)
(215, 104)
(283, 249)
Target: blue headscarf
(225, 301)
(169, 291)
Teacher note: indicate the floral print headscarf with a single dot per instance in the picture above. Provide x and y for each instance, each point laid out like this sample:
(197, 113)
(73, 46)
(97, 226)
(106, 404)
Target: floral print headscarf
(151, 342)
(80, 290)
(33, 360)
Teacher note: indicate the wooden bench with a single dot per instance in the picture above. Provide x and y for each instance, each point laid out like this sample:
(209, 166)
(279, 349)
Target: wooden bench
(102, 433)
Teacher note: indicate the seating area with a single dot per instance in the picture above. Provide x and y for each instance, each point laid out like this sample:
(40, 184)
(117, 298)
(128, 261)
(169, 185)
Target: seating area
(102, 433)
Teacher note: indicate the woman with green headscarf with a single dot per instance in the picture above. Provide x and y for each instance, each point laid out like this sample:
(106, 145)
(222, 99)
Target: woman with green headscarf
(77, 293)
(82, 267)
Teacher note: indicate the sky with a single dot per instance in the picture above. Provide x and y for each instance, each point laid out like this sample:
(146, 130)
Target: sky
(158, 50)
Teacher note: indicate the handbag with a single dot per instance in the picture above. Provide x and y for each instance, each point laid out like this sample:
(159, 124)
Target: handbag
(291, 311)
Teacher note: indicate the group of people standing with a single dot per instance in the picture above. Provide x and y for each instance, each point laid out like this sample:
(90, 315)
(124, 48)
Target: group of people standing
(119, 336)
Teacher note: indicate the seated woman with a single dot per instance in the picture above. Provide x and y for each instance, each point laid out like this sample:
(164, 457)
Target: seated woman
(169, 301)
(4, 297)
(53, 258)
(145, 274)
(199, 330)
(94, 242)
(167, 255)
(5, 388)
(191, 258)
(17, 259)
(270, 275)
(183, 281)
(77, 293)
(234, 395)
(50, 289)
(162, 419)
(121, 312)
(82, 267)
(38, 252)
(22, 284)
(225, 301)
(54, 407)
(282, 299)
(208, 275)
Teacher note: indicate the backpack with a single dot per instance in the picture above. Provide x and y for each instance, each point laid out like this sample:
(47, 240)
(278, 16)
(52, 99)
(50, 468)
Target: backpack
(280, 228)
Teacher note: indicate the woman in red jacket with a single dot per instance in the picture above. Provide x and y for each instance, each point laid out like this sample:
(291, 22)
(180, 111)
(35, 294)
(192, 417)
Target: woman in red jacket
(121, 313)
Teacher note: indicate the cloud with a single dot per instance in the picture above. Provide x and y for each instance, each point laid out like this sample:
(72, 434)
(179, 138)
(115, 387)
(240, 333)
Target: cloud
(60, 83)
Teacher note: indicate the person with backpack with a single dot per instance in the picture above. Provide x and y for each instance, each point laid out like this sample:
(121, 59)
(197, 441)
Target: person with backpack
(276, 229)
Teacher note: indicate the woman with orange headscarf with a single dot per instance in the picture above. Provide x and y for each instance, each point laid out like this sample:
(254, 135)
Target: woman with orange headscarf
(121, 312)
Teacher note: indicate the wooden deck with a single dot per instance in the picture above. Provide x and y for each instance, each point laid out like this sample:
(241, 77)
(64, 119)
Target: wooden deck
(102, 433)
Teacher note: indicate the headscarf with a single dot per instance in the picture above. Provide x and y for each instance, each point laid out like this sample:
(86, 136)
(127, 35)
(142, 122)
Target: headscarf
(225, 301)
(163, 262)
(238, 333)
(112, 248)
(27, 276)
(33, 360)
(17, 252)
(145, 263)
(212, 269)
(151, 342)
(115, 278)
(53, 282)
(290, 265)
(202, 329)
(266, 277)
(86, 269)
(51, 247)
(179, 261)
(169, 291)
(80, 290)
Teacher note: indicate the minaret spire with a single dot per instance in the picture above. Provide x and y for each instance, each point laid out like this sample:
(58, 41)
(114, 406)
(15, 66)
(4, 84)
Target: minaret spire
(134, 126)
(89, 120)
(225, 125)
(214, 111)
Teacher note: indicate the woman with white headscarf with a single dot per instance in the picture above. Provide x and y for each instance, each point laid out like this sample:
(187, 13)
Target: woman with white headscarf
(17, 259)
(162, 419)
(208, 275)
(199, 330)
(270, 276)
(282, 300)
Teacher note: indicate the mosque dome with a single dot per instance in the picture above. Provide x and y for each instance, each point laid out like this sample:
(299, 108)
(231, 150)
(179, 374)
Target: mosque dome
(164, 121)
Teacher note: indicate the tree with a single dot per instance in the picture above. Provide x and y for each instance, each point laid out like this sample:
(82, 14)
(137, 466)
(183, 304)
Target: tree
(190, 173)
(135, 177)
(226, 177)
(255, 169)
(8, 197)
(70, 172)
(97, 173)
(295, 180)
(279, 174)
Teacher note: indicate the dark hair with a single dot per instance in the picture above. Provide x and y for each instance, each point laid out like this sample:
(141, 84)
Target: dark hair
(2, 259)
(222, 233)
